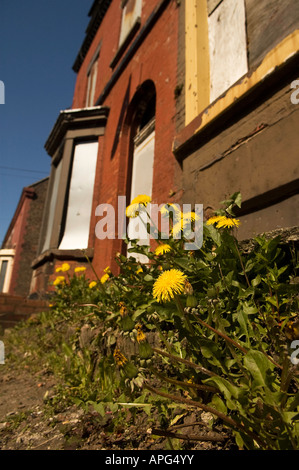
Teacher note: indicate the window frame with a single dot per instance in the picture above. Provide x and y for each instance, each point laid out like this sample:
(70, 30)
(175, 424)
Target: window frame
(8, 256)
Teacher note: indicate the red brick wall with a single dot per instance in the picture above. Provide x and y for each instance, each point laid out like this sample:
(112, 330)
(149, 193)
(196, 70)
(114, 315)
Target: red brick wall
(16, 308)
(155, 60)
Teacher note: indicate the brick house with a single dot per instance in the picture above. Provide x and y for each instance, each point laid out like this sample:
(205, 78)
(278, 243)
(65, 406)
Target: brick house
(20, 243)
(186, 101)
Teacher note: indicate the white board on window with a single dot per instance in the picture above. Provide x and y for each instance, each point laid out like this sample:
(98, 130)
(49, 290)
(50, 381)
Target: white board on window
(78, 215)
(142, 182)
(228, 46)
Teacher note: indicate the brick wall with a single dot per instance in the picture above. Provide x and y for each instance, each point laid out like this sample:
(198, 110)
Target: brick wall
(155, 61)
(16, 308)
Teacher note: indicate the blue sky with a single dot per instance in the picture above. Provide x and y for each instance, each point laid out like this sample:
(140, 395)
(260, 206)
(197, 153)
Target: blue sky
(39, 41)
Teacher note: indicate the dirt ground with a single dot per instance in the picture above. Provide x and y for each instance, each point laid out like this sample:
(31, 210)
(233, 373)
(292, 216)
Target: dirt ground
(27, 422)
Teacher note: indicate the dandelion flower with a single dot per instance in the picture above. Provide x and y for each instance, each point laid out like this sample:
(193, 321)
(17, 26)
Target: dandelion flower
(183, 223)
(166, 208)
(59, 280)
(57, 270)
(177, 228)
(139, 270)
(142, 199)
(79, 269)
(107, 270)
(190, 216)
(65, 267)
(215, 219)
(168, 284)
(228, 222)
(92, 284)
(104, 278)
(120, 359)
(163, 248)
(137, 204)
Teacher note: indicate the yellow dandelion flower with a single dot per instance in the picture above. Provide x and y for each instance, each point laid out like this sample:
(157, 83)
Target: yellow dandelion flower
(142, 199)
(57, 270)
(59, 280)
(228, 222)
(65, 267)
(107, 270)
(163, 248)
(139, 270)
(215, 219)
(104, 278)
(166, 208)
(133, 210)
(168, 284)
(80, 269)
(189, 217)
(92, 284)
(137, 205)
(177, 228)
(120, 359)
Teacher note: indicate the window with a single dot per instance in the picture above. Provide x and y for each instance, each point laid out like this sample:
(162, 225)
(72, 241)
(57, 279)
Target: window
(130, 16)
(56, 170)
(142, 173)
(216, 51)
(6, 265)
(76, 232)
(92, 73)
(73, 146)
(227, 45)
(3, 274)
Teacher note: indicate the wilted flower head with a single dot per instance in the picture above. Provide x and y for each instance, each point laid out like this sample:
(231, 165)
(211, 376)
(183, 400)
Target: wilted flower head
(120, 359)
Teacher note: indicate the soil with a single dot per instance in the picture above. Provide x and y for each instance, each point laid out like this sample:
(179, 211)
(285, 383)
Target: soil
(27, 422)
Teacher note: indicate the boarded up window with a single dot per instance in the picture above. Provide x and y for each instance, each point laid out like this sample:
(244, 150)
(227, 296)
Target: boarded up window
(76, 232)
(6, 265)
(227, 43)
(92, 73)
(142, 182)
(91, 84)
(131, 14)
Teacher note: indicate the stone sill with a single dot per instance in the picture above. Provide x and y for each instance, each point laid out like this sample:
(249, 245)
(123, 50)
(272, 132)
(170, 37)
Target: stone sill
(65, 255)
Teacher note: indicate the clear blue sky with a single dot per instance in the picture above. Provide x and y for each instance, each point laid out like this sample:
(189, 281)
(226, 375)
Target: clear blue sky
(39, 41)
